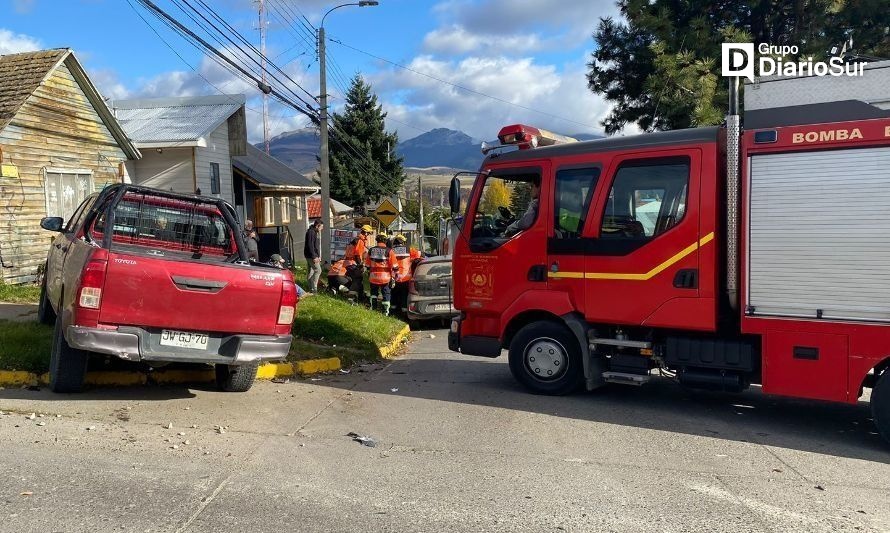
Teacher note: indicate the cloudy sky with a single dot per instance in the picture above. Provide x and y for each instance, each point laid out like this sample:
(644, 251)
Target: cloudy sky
(471, 65)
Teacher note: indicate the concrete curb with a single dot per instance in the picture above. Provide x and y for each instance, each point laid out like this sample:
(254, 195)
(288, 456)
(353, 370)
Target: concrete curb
(390, 350)
(17, 378)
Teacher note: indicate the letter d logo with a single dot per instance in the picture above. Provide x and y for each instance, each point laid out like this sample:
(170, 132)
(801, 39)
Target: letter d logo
(737, 59)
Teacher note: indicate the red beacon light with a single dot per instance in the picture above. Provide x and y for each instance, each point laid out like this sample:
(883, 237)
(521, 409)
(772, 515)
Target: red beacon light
(526, 137)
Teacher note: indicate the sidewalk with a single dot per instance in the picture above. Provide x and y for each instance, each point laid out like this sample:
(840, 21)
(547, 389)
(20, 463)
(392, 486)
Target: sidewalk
(18, 312)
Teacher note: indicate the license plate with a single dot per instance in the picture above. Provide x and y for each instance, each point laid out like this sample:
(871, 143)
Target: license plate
(184, 339)
(442, 307)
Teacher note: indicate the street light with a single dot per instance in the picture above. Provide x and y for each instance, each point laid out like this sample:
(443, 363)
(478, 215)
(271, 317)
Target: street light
(325, 162)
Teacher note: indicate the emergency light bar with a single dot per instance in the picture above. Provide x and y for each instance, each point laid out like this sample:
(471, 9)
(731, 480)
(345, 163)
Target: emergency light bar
(530, 137)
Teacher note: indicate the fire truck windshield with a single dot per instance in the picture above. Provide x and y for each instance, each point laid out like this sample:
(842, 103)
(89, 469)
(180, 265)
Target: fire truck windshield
(507, 205)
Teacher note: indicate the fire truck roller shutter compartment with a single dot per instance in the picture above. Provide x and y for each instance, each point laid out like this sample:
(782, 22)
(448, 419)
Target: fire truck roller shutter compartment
(819, 235)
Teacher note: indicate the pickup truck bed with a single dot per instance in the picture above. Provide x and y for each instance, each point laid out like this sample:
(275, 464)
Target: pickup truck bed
(170, 282)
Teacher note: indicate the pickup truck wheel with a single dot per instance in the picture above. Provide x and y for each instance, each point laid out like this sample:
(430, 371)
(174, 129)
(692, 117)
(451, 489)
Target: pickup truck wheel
(67, 365)
(45, 313)
(231, 378)
(545, 357)
(880, 405)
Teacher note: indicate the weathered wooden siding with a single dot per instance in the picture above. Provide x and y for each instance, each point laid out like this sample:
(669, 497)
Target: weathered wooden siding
(216, 151)
(57, 127)
(171, 169)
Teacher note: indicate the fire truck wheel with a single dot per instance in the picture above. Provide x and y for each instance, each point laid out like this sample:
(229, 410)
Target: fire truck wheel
(880, 405)
(545, 357)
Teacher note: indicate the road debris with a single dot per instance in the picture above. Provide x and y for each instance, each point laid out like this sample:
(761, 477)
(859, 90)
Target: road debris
(394, 390)
(281, 380)
(181, 433)
(344, 371)
(432, 336)
(26, 493)
(169, 425)
(32, 416)
(41, 423)
(91, 428)
(362, 439)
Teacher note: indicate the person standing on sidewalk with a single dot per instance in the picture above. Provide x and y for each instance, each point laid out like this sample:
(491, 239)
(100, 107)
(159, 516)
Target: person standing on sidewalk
(312, 252)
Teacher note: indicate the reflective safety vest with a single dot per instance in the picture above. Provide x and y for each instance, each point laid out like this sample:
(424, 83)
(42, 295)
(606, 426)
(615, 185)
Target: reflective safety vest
(381, 260)
(359, 250)
(403, 262)
(338, 268)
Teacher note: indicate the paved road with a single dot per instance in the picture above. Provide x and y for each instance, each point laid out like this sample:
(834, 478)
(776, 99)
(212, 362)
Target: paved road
(460, 448)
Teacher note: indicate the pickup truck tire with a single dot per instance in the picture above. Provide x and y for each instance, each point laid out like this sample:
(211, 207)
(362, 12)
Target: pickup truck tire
(232, 378)
(45, 312)
(880, 404)
(67, 365)
(546, 359)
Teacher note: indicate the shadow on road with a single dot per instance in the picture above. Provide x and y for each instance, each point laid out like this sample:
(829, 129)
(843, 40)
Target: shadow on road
(827, 428)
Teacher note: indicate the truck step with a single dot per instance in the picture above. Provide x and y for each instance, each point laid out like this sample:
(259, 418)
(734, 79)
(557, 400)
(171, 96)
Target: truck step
(624, 378)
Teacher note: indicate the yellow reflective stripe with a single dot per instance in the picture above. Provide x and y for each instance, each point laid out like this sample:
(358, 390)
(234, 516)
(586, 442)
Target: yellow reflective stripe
(637, 277)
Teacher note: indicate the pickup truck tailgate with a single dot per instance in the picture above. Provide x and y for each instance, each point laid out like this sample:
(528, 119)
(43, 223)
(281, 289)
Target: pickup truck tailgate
(145, 291)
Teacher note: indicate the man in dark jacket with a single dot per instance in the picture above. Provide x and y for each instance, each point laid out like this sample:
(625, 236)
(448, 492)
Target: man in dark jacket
(312, 252)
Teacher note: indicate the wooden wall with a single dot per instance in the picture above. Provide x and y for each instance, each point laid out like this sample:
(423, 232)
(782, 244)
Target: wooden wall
(57, 127)
(216, 151)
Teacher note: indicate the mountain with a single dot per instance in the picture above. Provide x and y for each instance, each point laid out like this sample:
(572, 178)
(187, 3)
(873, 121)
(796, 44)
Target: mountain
(297, 149)
(441, 147)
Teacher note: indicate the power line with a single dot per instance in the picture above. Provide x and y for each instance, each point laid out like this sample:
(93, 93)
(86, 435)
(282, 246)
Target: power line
(203, 44)
(457, 86)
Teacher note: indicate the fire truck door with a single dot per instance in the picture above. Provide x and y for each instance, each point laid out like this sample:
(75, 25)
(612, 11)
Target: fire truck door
(573, 192)
(642, 266)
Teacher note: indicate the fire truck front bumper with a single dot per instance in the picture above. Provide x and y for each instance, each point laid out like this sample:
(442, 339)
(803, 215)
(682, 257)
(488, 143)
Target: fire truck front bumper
(472, 344)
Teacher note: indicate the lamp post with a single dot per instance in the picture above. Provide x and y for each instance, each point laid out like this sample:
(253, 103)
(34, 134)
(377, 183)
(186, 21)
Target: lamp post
(325, 161)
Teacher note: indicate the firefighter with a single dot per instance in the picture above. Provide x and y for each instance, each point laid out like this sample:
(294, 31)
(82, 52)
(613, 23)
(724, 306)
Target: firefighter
(337, 280)
(404, 260)
(361, 247)
(354, 264)
(381, 264)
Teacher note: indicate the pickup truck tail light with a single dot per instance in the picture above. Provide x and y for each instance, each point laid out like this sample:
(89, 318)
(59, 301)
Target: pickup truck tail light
(288, 305)
(91, 282)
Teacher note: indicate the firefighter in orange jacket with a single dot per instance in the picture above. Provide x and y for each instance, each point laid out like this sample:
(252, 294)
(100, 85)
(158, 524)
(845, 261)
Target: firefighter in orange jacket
(337, 276)
(382, 264)
(404, 259)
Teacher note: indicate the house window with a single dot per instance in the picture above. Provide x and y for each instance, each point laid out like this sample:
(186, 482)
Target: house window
(268, 211)
(214, 178)
(298, 207)
(65, 190)
(284, 204)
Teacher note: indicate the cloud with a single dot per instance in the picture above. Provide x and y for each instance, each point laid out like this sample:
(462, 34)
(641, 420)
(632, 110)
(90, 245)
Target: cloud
(456, 40)
(540, 94)
(566, 24)
(11, 43)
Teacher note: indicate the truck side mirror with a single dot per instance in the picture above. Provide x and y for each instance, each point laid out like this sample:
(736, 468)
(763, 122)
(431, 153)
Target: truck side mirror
(454, 195)
(52, 223)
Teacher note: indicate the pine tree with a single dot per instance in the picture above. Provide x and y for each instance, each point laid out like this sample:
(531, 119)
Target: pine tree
(660, 65)
(364, 164)
(520, 198)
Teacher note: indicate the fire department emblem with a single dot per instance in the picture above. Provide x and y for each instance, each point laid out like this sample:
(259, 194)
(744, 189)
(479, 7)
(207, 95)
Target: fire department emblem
(479, 283)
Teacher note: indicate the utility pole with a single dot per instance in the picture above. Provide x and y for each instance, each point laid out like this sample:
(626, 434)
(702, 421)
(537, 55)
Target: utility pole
(325, 163)
(420, 227)
(262, 9)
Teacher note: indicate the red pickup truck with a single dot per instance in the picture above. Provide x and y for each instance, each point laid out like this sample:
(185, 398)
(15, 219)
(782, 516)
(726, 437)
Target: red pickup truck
(155, 276)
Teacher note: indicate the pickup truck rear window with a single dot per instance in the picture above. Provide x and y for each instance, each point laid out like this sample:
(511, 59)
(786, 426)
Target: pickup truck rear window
(176, 225)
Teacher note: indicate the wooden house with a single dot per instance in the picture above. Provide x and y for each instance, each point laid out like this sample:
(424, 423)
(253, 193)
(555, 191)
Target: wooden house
(59, 143)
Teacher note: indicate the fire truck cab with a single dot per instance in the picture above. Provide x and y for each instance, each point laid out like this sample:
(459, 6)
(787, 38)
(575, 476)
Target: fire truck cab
(724, 256)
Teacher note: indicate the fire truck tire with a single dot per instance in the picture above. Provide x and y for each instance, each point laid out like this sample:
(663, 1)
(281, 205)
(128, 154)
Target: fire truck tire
(880, 405)
(546, 359)
(231, 378)
(67, 365)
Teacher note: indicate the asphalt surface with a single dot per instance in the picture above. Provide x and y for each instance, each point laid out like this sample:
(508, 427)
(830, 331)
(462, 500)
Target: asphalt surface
(459, 447)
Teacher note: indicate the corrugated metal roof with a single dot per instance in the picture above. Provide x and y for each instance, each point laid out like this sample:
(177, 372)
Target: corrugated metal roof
(265, 170)
(175, 120)
(313, 205)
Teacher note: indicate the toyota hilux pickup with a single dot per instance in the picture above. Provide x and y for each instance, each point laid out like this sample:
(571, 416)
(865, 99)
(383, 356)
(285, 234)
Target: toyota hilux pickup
(148, 275)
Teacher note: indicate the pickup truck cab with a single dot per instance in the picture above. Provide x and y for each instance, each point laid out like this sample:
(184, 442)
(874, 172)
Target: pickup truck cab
(150, 275)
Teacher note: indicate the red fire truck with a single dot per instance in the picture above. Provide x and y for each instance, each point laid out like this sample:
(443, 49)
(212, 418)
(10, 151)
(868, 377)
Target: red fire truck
(725, 256)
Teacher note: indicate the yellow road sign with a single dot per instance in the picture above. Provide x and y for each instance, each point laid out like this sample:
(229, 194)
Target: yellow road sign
(386, 212)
